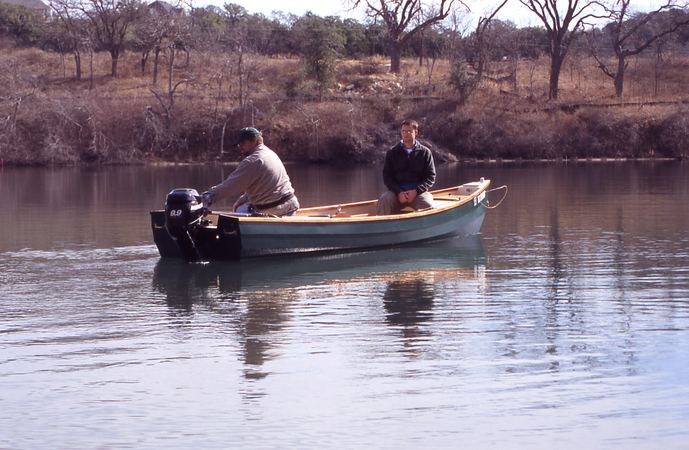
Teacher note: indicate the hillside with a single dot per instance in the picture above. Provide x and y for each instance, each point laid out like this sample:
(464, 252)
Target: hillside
(48, 118)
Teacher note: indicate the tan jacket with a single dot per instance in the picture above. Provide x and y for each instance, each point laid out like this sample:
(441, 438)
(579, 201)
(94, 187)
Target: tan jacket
(260, 179)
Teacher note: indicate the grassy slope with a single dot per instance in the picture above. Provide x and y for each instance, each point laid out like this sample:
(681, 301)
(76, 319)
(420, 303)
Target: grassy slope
(48, 118)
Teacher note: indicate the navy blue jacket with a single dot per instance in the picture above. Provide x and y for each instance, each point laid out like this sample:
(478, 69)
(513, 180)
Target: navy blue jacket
(403, 172)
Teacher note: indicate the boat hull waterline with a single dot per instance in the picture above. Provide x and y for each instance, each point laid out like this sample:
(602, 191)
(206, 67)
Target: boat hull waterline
(458, 210)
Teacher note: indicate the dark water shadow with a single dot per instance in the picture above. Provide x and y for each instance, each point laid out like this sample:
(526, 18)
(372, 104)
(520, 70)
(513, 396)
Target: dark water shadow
(256, 296)
(408, 302)
(186, 284)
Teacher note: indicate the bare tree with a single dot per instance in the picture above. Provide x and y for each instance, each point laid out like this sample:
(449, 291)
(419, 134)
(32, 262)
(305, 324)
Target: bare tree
(563, 21)
(177, 33)
(160, 29)
(480, 40)
(149, 32)
(110, 20)
(16, 87)
(631, 36)
(660, 47)
(399, 15)
(70, 30)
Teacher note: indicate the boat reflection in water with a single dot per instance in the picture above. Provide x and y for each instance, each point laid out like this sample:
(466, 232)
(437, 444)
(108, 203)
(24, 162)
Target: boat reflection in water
(258, 296)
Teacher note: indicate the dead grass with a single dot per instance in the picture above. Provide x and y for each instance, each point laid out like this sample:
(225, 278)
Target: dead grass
(46, 117)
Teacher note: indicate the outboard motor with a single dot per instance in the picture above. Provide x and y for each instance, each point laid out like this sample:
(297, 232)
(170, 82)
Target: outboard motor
(182, 213)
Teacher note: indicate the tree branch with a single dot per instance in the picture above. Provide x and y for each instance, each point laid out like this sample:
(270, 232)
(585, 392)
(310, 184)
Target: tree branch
(601, 65)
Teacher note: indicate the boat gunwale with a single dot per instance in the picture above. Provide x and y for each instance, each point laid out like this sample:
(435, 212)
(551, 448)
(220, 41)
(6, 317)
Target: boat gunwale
(347, 219)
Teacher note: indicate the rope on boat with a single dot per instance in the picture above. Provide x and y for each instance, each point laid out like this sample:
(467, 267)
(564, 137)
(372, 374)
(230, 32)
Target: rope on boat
(504, 186)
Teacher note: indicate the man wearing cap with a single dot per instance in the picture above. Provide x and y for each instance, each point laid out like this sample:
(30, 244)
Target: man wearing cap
(260, 180)
(408, 173)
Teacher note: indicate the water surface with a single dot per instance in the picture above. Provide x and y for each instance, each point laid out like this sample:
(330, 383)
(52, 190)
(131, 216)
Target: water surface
(565, 323)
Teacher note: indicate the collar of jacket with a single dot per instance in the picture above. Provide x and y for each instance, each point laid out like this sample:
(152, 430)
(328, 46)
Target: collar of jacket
(404, 149)
(255, 149)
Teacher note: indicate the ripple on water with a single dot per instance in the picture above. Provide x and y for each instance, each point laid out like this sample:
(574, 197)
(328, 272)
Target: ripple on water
(540, 341)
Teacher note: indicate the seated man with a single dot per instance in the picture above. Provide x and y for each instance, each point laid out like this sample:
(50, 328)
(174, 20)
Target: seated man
(260, 180)
(408, 173)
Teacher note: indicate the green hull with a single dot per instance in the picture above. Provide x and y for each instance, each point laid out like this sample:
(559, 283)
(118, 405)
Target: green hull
(268, 238)
(238, 237)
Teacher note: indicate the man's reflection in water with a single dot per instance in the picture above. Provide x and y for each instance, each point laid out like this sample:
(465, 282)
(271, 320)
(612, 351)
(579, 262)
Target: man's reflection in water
(408, 303)
(253, 312)
(265, 313)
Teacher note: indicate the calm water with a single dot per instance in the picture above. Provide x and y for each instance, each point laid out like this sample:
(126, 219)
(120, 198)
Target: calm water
(566, 323)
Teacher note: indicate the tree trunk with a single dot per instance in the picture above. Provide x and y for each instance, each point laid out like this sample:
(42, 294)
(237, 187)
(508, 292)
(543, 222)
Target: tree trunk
(64, 68)
(77, 64)
(170, 74)
(90, 69)
(515, 65)
(481, 66)
(422, 50)
(115, 55)
(240, 73)
(656, 71)
(556, 60)
(619, 76)
(156, 56)
(144, 59)
(395, 56)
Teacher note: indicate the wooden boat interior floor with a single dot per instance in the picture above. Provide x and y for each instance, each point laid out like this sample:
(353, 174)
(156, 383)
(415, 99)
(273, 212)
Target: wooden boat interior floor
(441, 198)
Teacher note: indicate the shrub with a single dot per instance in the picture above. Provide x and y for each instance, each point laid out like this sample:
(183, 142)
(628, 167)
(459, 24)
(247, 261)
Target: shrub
(462, 81)
(667, 136)
(596, 133)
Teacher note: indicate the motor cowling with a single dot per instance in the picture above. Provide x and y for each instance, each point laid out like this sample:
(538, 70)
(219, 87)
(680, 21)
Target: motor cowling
(182, 211)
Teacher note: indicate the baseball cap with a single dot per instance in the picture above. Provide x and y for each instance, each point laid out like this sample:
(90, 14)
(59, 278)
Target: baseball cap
(247, 134)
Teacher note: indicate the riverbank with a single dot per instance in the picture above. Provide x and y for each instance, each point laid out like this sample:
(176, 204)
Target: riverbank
(51, 119)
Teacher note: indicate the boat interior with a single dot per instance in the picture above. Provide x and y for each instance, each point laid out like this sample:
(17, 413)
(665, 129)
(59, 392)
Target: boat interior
(441, 198)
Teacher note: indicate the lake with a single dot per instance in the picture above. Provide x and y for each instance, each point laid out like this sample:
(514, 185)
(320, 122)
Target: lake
(565, 323)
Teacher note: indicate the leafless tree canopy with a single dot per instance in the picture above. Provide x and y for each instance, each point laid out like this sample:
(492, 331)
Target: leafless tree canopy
(404, 18)
(563, 19)
(110, 20)
(480, 33)
(631, 35)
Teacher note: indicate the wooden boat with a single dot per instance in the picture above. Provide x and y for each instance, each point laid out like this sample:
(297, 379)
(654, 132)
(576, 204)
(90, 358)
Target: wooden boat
(186, 230)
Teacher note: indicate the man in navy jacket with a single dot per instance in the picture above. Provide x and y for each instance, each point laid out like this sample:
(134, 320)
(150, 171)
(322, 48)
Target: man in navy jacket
(408, 173)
